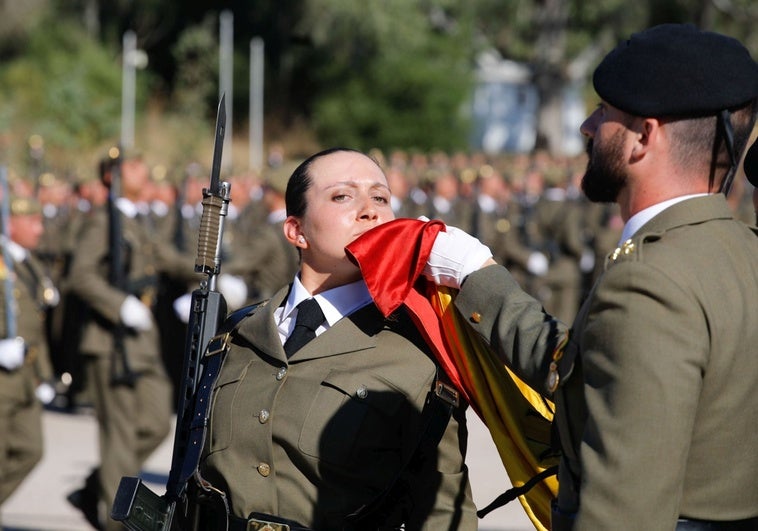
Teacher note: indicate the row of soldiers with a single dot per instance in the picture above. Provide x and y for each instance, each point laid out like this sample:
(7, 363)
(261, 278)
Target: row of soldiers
(527, 209)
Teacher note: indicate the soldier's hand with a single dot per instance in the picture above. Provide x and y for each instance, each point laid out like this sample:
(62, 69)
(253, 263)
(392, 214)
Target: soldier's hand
(45, 393)
(11, 353)
(454, 256)
(136, 315)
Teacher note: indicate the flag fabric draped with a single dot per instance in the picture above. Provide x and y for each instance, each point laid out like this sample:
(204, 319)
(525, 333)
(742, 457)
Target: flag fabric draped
(392, 257)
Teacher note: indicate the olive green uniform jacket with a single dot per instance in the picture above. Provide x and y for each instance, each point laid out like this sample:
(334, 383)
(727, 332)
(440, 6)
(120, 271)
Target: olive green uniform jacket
(315, 437)
(657, 406)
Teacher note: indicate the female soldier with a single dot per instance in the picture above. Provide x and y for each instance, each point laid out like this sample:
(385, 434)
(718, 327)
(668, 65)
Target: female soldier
(307, 435)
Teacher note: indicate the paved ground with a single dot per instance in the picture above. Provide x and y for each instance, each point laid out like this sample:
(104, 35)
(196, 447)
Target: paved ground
(71, 450)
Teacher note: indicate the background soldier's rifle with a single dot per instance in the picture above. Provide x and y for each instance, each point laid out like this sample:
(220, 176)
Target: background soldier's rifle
(121, 372)
(135, 505)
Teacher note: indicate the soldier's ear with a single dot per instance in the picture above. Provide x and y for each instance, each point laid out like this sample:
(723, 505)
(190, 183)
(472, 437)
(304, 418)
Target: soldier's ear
(293, 232)
(646, 135)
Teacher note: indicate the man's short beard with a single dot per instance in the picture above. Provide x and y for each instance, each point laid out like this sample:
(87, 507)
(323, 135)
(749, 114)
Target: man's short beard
(605, 176)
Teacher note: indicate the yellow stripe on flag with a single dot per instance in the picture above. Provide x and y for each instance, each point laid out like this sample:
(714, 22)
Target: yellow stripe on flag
(517, 417)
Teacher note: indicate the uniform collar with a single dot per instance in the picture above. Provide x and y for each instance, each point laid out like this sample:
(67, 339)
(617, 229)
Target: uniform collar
(637, 221)
(336, 303)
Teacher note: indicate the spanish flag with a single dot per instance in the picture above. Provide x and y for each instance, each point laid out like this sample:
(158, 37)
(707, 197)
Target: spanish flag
(392, 257)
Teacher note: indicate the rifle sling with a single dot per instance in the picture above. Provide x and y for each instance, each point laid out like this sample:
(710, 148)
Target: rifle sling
(198, 423)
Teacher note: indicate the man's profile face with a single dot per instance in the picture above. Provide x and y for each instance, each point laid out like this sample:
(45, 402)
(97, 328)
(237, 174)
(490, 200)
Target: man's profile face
(605, 176)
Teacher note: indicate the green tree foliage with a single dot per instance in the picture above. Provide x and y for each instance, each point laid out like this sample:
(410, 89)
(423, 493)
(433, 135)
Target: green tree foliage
(388, 73)
(196, 55)
(65, 88)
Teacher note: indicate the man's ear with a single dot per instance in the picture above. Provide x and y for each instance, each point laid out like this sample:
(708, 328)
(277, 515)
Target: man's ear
(646, 134)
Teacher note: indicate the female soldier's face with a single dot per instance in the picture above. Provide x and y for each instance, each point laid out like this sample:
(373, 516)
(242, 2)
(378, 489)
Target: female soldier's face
(348, 196)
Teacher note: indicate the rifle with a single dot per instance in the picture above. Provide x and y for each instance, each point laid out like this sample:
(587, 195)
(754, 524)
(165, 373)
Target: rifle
(135, 505)
(121, 372)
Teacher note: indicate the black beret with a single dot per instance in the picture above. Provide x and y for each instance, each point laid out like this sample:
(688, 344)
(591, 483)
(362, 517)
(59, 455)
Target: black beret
(751, 164)
(677, 70)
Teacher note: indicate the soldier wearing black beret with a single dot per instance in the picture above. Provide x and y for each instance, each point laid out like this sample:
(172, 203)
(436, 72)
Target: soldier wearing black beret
(654, 384)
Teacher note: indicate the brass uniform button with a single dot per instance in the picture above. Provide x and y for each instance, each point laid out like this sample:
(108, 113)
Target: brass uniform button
(281, 373)
(362, 391)
(476, 317)
(553, 378)
(264, 469)
(263, 416)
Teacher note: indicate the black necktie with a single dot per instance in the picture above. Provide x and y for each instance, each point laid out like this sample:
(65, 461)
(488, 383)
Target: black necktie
(309, 318)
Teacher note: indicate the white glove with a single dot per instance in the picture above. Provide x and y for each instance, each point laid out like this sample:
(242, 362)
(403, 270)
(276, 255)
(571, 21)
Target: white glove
(587, 261)
(11, 353)
(537, 264)
(183, 307)
(233, 289)
(454, 256)
(136, 315)
(45, 393)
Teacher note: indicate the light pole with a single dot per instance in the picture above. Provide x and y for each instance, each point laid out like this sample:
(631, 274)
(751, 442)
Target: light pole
(256, 104)
(226, 76)
(131, 60)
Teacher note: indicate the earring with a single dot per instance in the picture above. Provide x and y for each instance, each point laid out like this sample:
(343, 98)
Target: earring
(301, 239)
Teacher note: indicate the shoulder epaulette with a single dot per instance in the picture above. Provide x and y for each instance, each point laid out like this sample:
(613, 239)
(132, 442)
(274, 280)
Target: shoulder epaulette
(625, 251)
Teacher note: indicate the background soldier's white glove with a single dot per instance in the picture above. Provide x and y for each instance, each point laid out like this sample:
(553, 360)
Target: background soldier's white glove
(11, 353)
(454, 256)
(537, 264)
(233, 289)
(136, 315)
(45, 393)
(183, 307)
(587, 261)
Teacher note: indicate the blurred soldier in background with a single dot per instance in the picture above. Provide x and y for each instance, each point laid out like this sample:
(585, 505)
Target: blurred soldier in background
(556, 232)
(131, 393)
(54, 196)
(266, 261)
(496, 220)
(26, 293)
(445, 202)
(403, 204)
(163, 211)
(90, 195)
